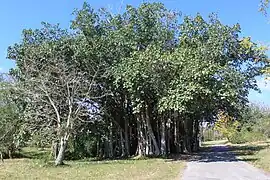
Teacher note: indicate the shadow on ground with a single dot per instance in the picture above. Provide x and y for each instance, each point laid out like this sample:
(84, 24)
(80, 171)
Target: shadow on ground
(30, 154)
(216, 153)
(222, 153)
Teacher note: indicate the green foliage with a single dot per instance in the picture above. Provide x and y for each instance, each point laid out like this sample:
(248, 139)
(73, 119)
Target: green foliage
(244, 136)
(11, 134)
(254, 125)
(227, 125)
(263, 126)
(256, 118)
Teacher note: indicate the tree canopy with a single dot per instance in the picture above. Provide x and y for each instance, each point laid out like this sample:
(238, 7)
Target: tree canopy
(135, 83)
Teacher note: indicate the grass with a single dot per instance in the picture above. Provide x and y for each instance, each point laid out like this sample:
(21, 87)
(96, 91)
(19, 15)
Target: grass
(263, 161)
(34, 168)
(257, 153)
(217, 142)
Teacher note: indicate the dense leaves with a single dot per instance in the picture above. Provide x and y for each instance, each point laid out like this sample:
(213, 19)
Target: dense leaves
(11, 132)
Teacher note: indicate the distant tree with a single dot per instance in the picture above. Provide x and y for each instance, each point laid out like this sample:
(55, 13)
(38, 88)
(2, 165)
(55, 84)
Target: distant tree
(264, 5)
(10, 117)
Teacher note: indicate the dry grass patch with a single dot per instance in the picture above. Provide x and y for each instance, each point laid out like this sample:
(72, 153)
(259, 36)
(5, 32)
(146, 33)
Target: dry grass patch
(263, 159)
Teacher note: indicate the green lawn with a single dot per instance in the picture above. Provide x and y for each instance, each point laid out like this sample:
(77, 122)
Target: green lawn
(106, 170)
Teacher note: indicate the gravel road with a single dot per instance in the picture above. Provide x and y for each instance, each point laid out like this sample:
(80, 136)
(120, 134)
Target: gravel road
(221, 164)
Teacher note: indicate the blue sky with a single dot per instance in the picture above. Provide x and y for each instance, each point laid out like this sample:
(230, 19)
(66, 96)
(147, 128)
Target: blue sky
(17, 15)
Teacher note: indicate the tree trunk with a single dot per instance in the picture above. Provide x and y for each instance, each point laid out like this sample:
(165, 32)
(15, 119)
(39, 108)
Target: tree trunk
(147, 139)
(196, 136)
(102, 148)
(98, 147)
(185, 138)
(9, 154)
(127, 120)
(111, 140)
(158, 130)
(190, 134)
(61, 153)
(127, 138)
(163, 137)
(188, 126)
(107, 148)
(140, 148)
(201, 134)
(150, 131)
(168, 127)
(181, 134)
(150, 147)
(176, 136)
(54, 149)
(123, 152)
(1, 157)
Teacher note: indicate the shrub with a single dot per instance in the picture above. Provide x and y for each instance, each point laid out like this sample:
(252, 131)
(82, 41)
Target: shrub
(237, 138)
(226, 125)
(244, 136)
(253, 126)
(263, 126)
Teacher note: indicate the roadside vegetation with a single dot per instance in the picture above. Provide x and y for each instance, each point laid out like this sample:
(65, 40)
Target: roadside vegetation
(251, 125)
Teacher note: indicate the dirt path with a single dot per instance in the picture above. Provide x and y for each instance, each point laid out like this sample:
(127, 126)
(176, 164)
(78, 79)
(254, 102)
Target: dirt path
(221, 164)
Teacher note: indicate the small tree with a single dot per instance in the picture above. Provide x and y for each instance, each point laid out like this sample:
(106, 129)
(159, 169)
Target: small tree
(57, 92)
(226, 125)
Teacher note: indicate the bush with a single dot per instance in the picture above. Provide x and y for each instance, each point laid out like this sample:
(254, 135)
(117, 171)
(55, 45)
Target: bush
(253, 125)
(244, 136)
(263, 126)
(237, 138)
